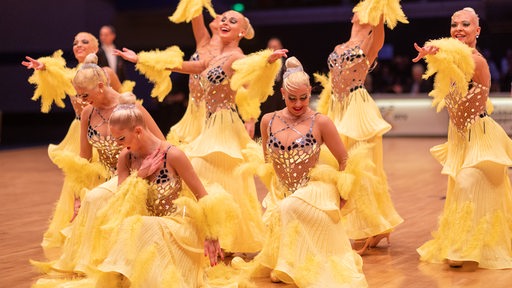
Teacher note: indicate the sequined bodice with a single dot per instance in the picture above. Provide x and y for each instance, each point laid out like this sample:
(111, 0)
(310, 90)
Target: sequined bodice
(464, 110)
(348, 70)
(292, 163)
(107, 147)
(164, 188)
(218, 93)
(194, 83)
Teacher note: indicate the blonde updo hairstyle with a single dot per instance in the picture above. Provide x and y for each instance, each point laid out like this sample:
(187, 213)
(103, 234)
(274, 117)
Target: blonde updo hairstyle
(127, 115)
(249, 31)
(294, 78)
(90, 74)
(470, 11)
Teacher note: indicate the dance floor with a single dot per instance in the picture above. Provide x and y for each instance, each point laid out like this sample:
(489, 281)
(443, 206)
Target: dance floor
(30, 184)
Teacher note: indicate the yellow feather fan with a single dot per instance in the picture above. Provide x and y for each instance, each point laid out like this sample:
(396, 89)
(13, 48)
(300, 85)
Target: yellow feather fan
(248, 107)
(372, 11)
(53, 83)
(127, 86)
(453, 67)
(256, 74)
(189, 9)
(325, 95)
(155, 66)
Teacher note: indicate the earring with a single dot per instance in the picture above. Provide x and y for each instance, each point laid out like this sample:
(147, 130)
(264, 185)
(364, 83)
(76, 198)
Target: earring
(240, 35)
(477, 36)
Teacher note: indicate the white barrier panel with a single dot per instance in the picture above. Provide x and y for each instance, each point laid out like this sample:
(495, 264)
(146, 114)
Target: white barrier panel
(417, 117)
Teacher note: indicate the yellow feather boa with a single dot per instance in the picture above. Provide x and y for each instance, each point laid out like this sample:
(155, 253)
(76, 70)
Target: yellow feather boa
(453, 67)
(189, 9)
(155, 64)
(214, 214)
(253, 80)
(53, 83)
(127, 86)
(325, 96)
(371, 11)
(81, 173)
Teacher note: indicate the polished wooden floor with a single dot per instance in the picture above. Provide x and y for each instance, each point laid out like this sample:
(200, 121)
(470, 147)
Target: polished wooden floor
(30, 184)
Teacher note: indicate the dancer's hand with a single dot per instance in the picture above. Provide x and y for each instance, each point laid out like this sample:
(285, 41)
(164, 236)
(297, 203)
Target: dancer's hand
(127, 55)
(151, 164)
(32, 64)
(277, 54)
(250, 127)
(424, 51)
(76, 207)
(213, 251)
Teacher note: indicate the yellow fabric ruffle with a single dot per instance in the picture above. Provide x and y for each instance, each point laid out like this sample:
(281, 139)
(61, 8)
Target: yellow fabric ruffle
(453, 67)
(488, 143)
(372, 11)
(360, 119)
(325, 96)
(156, 65)
(189, 9)
(53, 83)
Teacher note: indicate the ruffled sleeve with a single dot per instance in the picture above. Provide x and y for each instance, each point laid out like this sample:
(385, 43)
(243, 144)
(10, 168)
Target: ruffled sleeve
(155, 66)
(371, 11)
(53, 83)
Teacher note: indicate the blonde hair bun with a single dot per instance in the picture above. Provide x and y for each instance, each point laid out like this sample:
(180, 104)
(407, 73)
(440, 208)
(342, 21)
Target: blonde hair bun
(127, 98)
(91, 58)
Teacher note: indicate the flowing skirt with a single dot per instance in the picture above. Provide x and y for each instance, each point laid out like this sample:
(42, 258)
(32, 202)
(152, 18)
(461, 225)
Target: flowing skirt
(476, 223)
(307, 244)
(215, 154)
(359, 121)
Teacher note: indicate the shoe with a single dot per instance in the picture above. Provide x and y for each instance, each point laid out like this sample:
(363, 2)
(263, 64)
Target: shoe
(455, 264)
(274, 278)
(377, 238)
(366, 245)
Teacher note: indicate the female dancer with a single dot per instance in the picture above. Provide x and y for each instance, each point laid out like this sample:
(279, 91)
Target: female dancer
(358, 118)
(53, 80)
(307, 244)
(475, 223)
(167, 248)
(207, 47)
(217, 150)
(92, 87)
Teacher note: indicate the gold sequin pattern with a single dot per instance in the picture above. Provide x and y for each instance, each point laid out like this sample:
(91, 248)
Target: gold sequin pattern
(464, 109)
(164, 189)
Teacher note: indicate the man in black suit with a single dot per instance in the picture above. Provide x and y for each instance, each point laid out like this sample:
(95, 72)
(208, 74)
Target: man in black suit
(106, 49)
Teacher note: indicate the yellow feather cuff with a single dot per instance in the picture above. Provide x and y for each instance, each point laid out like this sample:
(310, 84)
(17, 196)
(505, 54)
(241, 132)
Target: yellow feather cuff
(155, 66)
(248, 107)
(129, 200)
(325, 95)
(256, 74)
(371, 11)
(214, 214)
(80, 172)
(453, 67)
(53, 83)
(189, 9)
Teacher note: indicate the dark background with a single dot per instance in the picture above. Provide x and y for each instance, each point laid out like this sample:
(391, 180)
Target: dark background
(308, 28)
